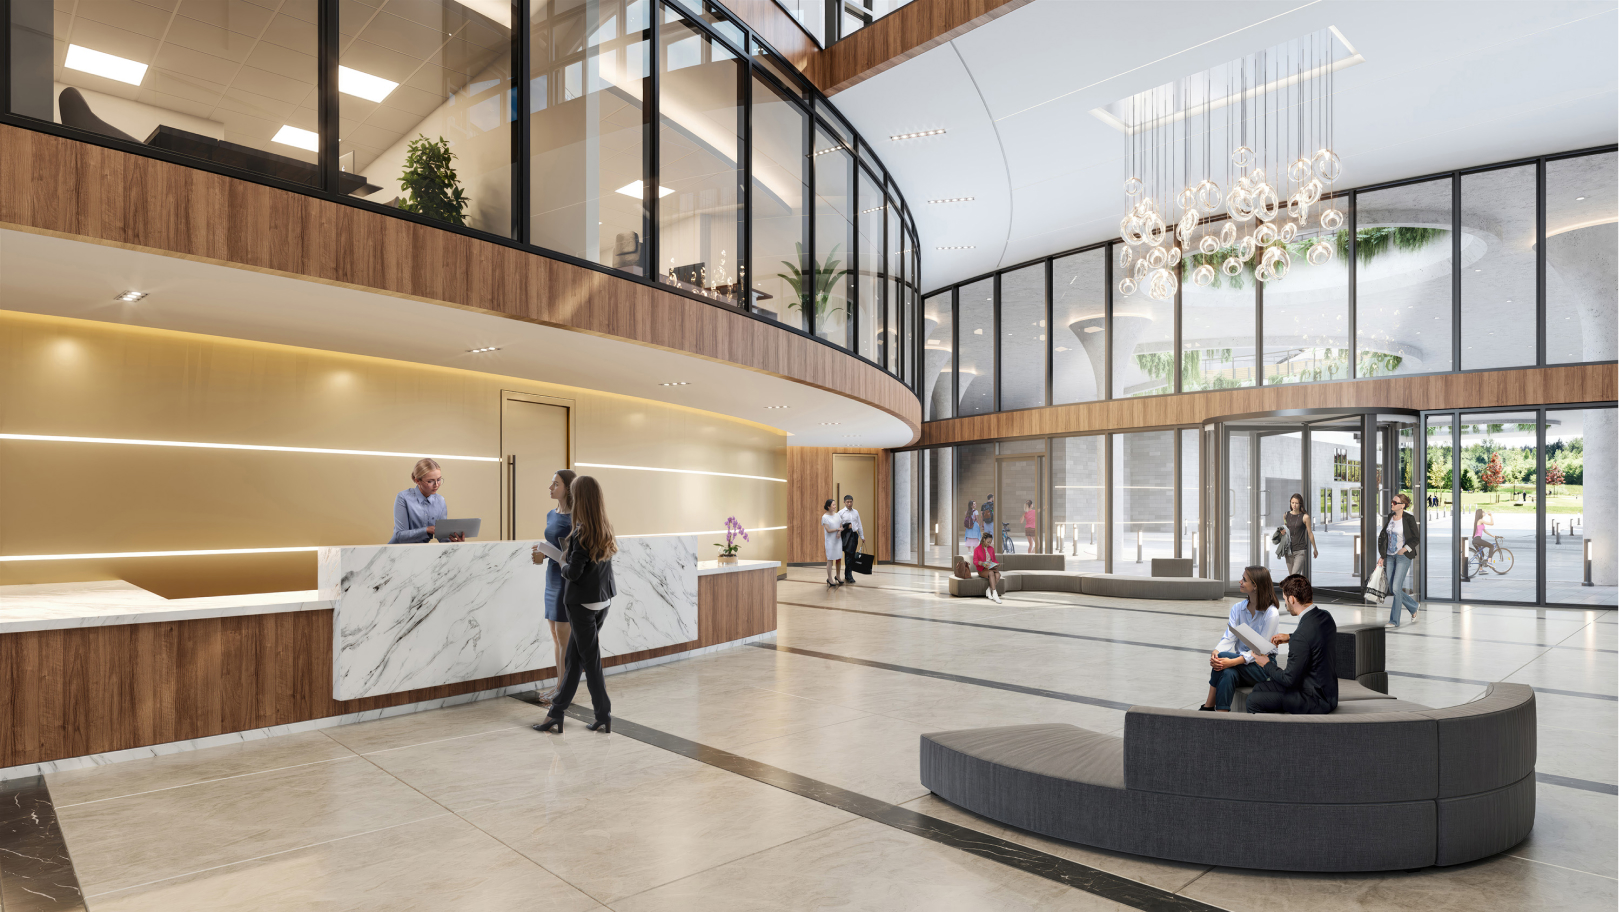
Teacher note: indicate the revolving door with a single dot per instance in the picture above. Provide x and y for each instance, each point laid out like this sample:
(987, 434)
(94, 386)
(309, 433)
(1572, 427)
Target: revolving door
(1346, 465)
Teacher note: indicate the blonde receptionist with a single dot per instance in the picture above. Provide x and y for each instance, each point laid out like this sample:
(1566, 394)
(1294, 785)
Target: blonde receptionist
(419, 508)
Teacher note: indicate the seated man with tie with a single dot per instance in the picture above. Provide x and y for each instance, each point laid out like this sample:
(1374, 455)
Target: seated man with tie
(1309, 685)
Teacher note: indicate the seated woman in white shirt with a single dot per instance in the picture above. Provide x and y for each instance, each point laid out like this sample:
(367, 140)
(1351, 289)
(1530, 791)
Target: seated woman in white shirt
(1232, 662)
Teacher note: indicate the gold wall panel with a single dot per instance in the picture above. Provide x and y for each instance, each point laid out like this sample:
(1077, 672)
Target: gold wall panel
(76, 378)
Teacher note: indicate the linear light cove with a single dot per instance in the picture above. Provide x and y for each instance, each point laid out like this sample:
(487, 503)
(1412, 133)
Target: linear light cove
(603, 465)
(49, 438)
(109, 555)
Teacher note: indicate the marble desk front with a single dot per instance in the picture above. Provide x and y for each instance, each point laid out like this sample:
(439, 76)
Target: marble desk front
(408, 617)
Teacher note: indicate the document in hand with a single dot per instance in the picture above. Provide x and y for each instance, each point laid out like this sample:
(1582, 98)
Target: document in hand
(549, 550)
(1252, 639)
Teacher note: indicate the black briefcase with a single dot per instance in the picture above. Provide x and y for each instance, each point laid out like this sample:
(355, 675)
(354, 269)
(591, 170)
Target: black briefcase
(860, 563)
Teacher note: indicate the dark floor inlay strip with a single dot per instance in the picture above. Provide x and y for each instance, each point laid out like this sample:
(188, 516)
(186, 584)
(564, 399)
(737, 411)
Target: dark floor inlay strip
(1538, 689)
(1097, 882)
(1049, 633)
(36, 873)
(1468, 639)
(1570, 782)
(946, 676)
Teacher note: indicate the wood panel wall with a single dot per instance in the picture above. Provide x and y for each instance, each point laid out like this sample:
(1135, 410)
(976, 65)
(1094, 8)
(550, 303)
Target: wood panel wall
(778, 29)
(907, 32)
(71, 189)
(809, 484)
(89, 690)
(1489, 389)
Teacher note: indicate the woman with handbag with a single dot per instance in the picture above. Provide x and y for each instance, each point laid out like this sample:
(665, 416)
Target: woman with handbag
(587, 594)
(970, 523)
(1299, 533)
(832, 531)
(1397, 544)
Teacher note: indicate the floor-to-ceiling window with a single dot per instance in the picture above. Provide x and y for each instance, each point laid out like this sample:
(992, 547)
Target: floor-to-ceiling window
(1023, 337)
(975, 360)
(1143, 500)
(1582, 507)
(780, 187)
(938, 368)
(1079, 327)
(1079, 501)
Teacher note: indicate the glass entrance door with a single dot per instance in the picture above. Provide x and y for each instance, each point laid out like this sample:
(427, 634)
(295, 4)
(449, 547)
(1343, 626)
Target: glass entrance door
(1020, 520)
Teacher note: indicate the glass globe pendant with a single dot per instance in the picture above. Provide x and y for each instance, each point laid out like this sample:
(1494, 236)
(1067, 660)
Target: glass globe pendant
(1327, 166)
(1241, 156)
(1127, 287)
(1231, 266)
(1299, 171)
(1228, 235)
(1126, 256)
(1331, 219)
(1132, 186)
(1208, 195)
(1320, 253)
(1155, 258)
(1208, 244)
(1203, 275)
(1264, 234)
(1288, 233)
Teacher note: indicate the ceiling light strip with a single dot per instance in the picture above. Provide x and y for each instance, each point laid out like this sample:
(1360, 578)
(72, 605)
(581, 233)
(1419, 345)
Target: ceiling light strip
(955, 199)
(715, 532)
(603, 465)
(900, 136)
(49, 438)
(110, 555)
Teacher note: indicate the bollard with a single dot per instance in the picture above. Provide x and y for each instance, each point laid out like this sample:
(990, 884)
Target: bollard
(1356, 568)
(1587, 563)
(1138, 546)
(1557, 531)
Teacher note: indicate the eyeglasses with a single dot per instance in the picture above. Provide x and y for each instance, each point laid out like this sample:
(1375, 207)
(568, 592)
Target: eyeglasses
(435, 482)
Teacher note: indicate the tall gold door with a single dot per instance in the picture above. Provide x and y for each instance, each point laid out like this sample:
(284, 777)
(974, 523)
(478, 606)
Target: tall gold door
(535, 442)
(857, 475)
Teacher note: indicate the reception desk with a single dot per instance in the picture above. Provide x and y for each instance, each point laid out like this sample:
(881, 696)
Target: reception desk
(98, 668)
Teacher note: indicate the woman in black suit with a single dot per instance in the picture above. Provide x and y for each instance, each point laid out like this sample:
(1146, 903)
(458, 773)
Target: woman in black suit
(587, 593)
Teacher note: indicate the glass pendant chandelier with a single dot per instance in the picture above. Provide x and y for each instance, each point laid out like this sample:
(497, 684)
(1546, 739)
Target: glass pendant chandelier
(1232, 169)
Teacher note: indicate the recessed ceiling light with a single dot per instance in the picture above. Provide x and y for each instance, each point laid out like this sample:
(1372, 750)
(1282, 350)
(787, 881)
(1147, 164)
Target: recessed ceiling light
(633, 188)
(130, 297)
(777, 406)
(958, 247)
(1093, 329)
(915, 135)
(94, 62)
(1578, 198)
(363, 85)
(487, 348)
(955, 199)
(675, 383)
(302, 139)
(830, 423)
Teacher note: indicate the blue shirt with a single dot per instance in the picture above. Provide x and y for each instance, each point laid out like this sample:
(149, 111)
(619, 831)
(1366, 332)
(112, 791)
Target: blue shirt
(1263, 624)
(413, 513)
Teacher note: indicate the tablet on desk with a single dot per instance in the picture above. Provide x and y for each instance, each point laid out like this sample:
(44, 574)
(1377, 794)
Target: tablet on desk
(446, 529)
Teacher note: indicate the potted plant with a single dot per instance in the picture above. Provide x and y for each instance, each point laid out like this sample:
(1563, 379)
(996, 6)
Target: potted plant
(429, 182)
(825, 278)
(733, 531)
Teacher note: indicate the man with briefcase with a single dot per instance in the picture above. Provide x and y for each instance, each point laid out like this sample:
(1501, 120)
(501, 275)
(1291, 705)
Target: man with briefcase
(853, 535)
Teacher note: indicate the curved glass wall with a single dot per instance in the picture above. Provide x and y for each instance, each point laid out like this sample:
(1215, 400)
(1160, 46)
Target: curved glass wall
(663, 141)
(1502, 266)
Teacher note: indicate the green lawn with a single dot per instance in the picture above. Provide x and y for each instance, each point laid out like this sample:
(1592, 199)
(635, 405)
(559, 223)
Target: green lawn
(1568, 499)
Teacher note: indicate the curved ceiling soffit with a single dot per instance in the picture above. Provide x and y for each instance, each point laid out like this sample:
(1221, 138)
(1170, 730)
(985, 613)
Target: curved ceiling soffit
(1000, 145)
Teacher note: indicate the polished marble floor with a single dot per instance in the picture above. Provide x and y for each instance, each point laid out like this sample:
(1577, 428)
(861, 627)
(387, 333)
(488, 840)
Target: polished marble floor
(468, 809)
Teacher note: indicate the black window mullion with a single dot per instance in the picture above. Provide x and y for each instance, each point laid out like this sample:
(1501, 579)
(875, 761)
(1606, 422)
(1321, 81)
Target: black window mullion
(1457, 563)
(1354, 304)
(955, 351)
(650, 165)
(1456, 271)
(1107, 323)
(328, 38)
(744, 215)
(521, 122)
(1051, 335)
(1540, 264)
(852, 308)
(1540, 465)
(1259, 331)
(811, 277)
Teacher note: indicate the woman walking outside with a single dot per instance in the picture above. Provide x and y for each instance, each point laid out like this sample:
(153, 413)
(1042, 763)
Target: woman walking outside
(1397, 544)
(558, 522)
(832, 531)
(970, 523)
(1029, 522)
(587, 593)
(1299, 533)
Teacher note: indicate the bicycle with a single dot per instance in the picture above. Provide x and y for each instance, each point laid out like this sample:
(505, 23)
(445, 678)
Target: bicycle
(1499, 560)
(1007, 547)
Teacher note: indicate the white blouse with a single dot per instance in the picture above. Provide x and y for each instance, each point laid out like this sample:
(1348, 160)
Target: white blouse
(833, 528)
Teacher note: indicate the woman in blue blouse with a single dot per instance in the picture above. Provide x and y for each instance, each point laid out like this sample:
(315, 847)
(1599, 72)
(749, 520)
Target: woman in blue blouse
(417, 510)
(558, 523)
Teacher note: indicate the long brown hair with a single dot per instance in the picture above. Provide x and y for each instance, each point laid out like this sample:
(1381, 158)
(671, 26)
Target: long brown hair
(567, 476)
(592, 532)
(1264, 590)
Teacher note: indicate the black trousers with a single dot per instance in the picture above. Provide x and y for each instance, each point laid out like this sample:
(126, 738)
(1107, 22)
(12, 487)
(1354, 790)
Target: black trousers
(1269, 697)
(584, 655)
(848, 563)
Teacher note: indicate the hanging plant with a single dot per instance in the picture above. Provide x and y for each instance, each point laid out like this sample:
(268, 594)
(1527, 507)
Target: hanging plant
(429, 182)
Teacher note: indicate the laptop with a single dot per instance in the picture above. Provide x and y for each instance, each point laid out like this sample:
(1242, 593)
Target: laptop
(445, 529)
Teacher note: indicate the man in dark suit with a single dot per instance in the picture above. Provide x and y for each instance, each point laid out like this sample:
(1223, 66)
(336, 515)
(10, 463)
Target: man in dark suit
(1309, 686)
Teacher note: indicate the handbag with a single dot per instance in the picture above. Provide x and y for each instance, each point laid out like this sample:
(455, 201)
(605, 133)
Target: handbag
(1377, 586)
(860, 563)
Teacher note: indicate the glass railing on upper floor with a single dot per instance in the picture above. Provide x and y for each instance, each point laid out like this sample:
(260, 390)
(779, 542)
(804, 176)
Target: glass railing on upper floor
(662, 141)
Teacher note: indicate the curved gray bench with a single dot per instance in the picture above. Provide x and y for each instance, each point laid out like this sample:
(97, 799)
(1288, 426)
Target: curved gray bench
(1391, 785)
(1046, 573)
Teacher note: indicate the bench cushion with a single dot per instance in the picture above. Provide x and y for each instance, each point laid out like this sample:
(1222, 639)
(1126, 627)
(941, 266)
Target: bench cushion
(1055, 749)
(1487, 744)
(1043, 580)
(974, 588)
(1032, 562)
(1121, 585)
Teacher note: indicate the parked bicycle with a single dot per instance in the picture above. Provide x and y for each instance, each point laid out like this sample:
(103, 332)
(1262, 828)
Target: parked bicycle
(1006, 539)
(1496, 559)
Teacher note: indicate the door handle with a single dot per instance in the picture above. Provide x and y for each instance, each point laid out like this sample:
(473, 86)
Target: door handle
(511, 494)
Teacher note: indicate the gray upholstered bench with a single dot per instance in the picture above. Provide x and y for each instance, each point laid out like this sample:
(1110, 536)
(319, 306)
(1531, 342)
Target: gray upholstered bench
(1391, 785)
(1046, 573)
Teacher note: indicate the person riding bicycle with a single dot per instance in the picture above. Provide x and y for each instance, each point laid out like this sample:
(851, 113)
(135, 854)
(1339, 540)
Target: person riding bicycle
(1483, 523)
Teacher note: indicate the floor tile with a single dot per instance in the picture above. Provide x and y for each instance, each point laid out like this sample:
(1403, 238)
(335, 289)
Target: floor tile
(113, 780)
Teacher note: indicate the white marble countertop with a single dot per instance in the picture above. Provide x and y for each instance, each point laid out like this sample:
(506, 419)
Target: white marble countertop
(709, 568)
(59, 606)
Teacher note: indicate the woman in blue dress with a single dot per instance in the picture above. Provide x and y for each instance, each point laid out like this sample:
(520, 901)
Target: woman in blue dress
(558, 523)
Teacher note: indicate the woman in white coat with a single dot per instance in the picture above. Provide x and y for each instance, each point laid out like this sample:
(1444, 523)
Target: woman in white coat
(832, 531)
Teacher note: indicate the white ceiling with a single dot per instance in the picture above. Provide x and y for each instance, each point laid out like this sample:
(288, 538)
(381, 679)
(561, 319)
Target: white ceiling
(1444, 85)
(48, 275)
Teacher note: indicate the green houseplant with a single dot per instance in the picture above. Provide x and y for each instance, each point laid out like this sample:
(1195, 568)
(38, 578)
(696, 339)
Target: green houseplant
(429, 182)
(825, 277)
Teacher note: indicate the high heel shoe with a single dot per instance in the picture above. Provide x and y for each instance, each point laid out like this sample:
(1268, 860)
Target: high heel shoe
(553, 725)
(605, 726)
